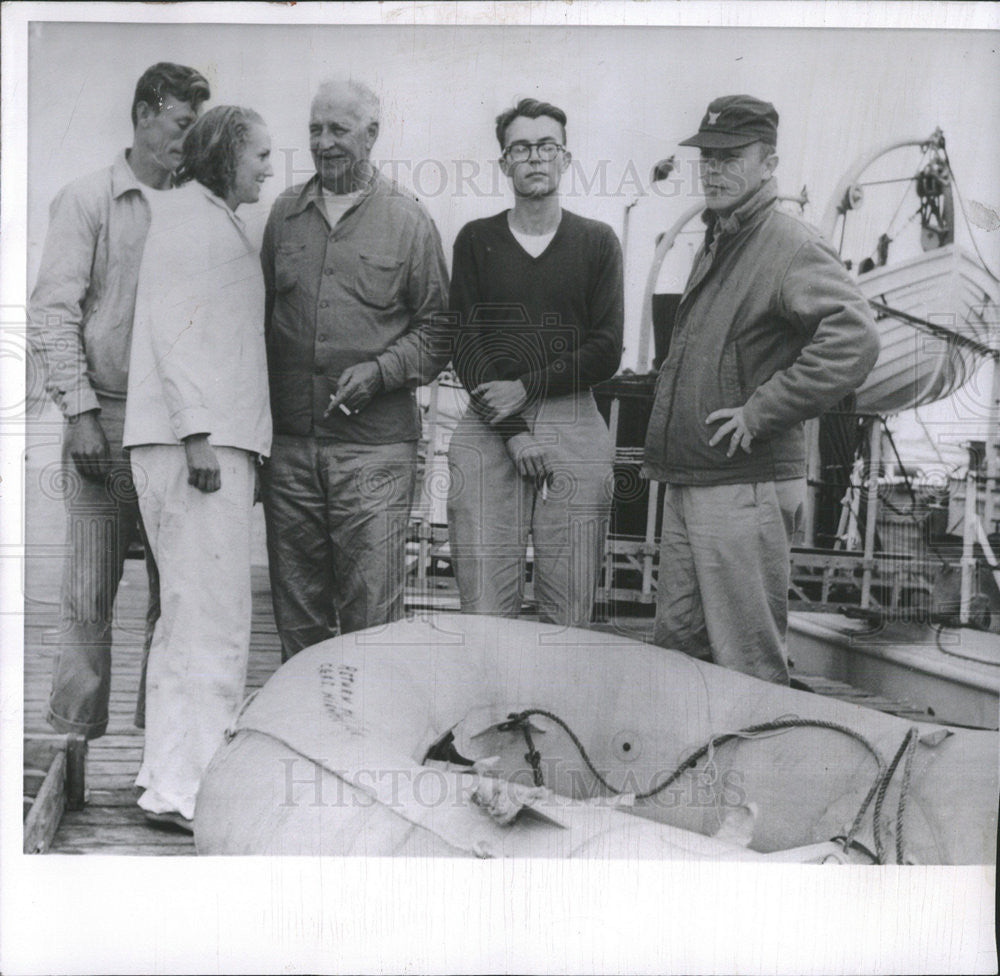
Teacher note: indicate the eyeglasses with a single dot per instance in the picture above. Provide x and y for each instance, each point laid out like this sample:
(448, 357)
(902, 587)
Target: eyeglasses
(520, 152)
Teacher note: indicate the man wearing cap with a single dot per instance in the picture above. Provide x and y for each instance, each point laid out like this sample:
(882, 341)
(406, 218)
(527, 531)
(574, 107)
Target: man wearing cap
(770, 331)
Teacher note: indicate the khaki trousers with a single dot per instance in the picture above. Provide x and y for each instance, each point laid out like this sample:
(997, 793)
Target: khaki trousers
(492, 510)
(722, 588)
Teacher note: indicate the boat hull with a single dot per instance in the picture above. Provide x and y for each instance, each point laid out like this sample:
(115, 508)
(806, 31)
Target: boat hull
(946, 287)
(952, 675)
(328, 757)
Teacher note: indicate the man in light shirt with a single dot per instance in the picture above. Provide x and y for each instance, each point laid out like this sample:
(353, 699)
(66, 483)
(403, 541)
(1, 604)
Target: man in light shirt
(80, 324)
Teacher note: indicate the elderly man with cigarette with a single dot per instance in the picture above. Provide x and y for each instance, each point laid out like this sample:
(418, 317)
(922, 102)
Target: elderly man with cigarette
(355, 278)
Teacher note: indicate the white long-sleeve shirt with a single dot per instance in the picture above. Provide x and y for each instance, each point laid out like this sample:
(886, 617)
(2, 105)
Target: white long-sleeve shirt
(198, 362)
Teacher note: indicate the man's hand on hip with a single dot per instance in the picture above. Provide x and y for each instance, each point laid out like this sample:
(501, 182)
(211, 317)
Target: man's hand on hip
(88, 445)
(501, 398)
(356, 386)
(735, 425)
(530, 457)
(203, 465)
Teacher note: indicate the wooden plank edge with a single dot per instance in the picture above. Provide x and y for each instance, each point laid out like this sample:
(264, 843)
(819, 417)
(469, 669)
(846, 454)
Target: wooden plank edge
(47, 810)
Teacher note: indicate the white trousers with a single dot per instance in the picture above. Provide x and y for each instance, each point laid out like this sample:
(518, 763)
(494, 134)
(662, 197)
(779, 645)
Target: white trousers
(198, 657)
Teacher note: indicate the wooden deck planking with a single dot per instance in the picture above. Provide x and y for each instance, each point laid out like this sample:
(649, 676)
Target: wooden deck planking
(111, 822)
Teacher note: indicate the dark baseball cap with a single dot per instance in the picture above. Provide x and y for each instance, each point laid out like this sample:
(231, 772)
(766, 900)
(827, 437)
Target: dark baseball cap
(736, 120)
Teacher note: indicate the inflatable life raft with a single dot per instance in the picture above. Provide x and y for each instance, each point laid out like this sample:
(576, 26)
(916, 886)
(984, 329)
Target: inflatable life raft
(477, 736)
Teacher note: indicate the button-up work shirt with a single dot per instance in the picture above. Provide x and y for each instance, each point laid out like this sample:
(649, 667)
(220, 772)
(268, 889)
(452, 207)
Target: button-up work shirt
(368, 289)
(80, 312)
(198, 362)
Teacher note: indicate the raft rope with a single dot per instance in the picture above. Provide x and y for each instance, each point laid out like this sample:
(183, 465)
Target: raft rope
(909, 752)
(878, 790)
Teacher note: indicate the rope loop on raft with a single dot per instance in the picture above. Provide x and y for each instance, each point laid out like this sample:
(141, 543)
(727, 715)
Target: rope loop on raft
(878, 790)
(533, 757)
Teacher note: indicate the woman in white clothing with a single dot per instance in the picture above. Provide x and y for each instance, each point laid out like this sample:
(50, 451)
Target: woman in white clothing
(197, 422)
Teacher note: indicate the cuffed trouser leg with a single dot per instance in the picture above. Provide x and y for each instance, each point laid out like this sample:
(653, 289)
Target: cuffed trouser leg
(736, 539)
(491, 510)
(336, 533)
(102, 521)
(201, 642)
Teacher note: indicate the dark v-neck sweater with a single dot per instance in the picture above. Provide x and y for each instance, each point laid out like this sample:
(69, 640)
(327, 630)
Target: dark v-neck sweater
(553, 321)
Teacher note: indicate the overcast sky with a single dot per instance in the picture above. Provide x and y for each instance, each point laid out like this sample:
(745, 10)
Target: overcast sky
(630, 93)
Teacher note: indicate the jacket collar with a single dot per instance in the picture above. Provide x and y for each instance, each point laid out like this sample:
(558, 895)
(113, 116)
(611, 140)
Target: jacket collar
(122, 177)
(311, 193)
(747, 213)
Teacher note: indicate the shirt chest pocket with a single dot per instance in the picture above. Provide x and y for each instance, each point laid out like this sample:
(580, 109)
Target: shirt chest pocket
(378, 280)
(288, 260)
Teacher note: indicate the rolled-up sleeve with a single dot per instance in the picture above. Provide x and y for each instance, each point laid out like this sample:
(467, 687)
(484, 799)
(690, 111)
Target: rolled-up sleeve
(55, 310)
(425, 348)
(820, 301)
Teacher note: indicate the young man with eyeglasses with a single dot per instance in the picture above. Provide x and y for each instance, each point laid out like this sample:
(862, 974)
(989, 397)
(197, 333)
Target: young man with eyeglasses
(770, 331)
(539, 297)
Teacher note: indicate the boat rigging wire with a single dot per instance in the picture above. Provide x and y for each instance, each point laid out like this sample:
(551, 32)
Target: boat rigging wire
(941, 331)
(928, 435)
(878, 790)
(910, 179)
(898, 179)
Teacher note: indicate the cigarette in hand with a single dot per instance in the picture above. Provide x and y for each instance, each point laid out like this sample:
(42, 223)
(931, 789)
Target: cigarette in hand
(344, 408)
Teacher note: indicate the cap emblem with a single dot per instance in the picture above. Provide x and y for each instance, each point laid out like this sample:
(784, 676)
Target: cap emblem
(713, 117)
